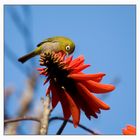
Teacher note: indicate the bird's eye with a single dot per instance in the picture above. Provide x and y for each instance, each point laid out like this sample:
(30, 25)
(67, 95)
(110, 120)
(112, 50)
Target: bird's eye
(67, 48)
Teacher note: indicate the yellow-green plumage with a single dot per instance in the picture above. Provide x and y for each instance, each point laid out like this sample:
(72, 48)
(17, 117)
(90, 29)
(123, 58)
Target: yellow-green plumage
(56, 44)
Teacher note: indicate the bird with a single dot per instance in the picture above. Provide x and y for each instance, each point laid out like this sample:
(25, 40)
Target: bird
(56, 44)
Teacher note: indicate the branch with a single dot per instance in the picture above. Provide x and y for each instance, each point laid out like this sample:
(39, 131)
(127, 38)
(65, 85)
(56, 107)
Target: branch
(27, 95)
(59, 132)
(25, 103)
(8, 91)
(70, 121)
(25, 118)
(45, 116)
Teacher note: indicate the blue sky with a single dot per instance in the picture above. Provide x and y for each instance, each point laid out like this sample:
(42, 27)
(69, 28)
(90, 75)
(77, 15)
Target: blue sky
(105, 35)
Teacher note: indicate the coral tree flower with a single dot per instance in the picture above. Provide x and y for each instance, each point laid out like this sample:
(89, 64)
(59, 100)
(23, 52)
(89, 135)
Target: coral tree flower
(129, 130)
(71, 87)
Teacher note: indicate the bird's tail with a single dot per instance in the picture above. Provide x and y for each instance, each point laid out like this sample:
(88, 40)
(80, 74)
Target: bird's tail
(26, 57)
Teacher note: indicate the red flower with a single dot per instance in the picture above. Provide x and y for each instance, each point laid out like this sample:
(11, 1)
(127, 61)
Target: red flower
(129, 130)
(72, 87)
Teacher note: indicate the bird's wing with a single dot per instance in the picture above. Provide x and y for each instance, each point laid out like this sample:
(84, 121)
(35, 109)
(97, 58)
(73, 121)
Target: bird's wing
(47, 40)
(38, 45)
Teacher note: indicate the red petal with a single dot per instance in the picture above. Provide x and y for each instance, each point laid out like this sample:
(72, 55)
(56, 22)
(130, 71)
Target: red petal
(75, 62)
(75, 111)
(131, 128)
(82, 76)
(68, 60)
(68, 105)
(48, 90)
(127, 132)
(64, 104)
(85, 104)
(88, 115)
(93, 100)
(43, 72)
(82, 103)
(46, 80)
(40, 69)
(80, 68)
(63, 56)
(60, 53)
(98, 87)
(55, 98)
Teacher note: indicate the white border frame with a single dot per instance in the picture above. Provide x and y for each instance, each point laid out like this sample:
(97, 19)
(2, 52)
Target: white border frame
(81, 2)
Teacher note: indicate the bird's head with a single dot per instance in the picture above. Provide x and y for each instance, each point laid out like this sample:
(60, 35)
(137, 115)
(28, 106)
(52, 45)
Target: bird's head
(66, 44)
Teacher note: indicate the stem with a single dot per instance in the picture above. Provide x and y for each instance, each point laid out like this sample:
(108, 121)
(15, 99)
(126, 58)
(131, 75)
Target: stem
(25, 118)
(59, 132)
(45, 116)
(70, 121)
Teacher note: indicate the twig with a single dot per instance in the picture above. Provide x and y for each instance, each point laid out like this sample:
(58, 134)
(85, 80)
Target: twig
(10, 129)
(27, 95)
(25, 118)
(8, 91)
(70, 121)
(38, 110)
(25, 102)
(60, 130)
(45, 116)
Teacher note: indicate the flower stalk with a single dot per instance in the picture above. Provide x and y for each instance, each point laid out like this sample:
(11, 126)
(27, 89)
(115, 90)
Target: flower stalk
(45, 116)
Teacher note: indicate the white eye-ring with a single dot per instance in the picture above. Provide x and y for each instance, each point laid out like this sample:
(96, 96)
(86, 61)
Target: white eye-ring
(67, 48)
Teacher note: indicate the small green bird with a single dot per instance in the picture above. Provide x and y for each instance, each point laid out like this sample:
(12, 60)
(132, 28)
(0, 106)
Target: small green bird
(56, 44)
